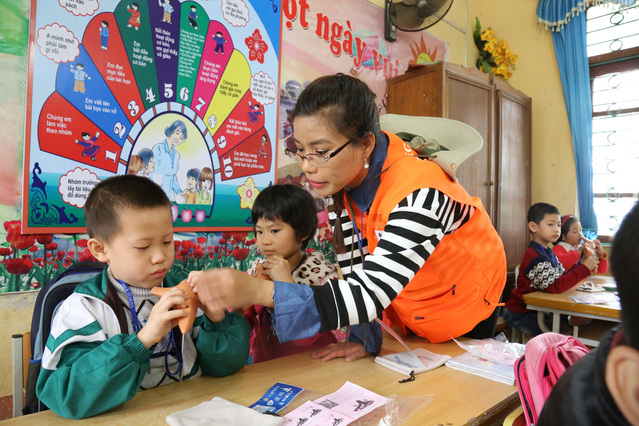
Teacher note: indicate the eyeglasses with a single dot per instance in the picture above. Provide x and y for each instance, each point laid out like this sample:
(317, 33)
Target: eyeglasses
(318, 160)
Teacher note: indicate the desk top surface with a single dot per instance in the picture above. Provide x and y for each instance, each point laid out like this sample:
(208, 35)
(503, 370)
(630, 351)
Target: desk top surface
(458, 397)
(563, 301)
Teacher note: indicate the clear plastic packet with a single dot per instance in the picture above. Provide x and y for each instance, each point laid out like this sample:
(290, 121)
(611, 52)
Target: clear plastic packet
(397, 409)
(498, 349)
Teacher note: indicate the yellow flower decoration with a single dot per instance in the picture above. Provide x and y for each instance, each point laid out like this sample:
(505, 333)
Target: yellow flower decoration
(487, 34)
(494, 54)
(247, 192)
(490, 47)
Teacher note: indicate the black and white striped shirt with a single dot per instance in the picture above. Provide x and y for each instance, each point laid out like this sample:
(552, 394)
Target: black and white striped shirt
(414, 228)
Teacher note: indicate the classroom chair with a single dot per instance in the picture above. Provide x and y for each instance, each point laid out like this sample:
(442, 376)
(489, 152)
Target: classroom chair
(21, 345)
(516, 418)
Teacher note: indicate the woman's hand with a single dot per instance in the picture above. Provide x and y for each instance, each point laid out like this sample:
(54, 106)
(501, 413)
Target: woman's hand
(350, 350)
(224, 288)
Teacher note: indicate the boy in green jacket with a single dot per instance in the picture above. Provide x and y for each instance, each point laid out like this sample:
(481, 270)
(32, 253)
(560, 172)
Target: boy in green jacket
(112, 337)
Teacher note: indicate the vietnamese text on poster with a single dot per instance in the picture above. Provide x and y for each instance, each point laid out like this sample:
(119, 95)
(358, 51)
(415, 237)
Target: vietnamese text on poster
(181, 92)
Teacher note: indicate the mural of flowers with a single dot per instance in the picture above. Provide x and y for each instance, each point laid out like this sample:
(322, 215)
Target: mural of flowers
(257, 46)
(247, 192)
(29, 262)
(199, 251)
(494, 55)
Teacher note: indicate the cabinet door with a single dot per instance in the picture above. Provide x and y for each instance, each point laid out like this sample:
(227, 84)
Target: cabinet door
(513, 195)
(417, 93)
(471, 101)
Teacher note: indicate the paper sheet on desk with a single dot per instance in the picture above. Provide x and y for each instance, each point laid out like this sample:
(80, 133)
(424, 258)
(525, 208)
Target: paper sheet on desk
(595, 299)
(219, 411)
(347, 404)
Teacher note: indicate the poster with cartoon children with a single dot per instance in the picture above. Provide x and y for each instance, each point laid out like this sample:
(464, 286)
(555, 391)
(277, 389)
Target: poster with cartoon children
(178, 91)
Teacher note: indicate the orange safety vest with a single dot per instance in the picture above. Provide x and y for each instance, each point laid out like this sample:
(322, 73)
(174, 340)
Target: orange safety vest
(461, 282)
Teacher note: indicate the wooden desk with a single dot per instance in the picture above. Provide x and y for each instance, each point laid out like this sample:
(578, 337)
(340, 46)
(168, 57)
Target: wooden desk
(459, 398)
(558, 304)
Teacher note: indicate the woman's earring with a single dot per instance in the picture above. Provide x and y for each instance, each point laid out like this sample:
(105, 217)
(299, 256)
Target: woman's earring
(365, 163)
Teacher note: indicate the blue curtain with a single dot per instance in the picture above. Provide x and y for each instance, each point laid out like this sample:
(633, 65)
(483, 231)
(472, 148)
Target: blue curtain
(567, 20)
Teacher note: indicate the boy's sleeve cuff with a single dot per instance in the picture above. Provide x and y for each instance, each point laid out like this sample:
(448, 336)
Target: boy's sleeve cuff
(139, 353)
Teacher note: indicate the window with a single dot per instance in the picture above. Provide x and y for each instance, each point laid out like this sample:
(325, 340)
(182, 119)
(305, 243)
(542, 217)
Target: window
(613, 52)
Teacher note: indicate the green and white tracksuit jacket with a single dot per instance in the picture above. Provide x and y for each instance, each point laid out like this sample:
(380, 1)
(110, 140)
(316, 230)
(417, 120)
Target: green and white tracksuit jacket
(94, 361)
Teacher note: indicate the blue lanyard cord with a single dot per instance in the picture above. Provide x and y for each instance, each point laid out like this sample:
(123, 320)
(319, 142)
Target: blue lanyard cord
(134, 316)
(359, 238)
(168, 345)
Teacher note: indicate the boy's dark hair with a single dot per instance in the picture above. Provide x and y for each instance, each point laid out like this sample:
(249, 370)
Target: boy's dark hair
(86, 134)
(111, 196)
(291, 204)
(537, 212)
(624, 262)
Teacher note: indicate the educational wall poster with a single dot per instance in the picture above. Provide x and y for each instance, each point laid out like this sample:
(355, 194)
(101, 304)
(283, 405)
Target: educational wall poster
(182, 92)
(325, 37)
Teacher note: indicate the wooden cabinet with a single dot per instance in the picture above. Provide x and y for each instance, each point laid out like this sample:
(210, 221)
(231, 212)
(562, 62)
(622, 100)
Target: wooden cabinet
(499, 173)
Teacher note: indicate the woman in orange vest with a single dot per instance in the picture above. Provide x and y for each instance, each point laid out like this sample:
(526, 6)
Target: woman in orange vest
(411, 241)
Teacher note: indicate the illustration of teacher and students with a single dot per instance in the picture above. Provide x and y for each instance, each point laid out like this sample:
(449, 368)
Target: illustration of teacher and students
(162, 162)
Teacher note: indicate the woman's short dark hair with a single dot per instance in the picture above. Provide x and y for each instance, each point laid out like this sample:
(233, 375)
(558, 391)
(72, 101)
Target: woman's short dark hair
(291, 204)
(346, 103)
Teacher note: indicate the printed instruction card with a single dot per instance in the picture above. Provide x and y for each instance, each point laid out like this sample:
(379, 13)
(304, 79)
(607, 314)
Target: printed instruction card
(342, 407)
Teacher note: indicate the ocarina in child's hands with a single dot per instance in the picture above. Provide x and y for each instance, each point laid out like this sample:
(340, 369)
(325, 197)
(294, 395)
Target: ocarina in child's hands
(190, 300)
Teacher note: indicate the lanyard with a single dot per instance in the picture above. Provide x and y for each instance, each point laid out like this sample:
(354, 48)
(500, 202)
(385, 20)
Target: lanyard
(168, 345)
(134, 315)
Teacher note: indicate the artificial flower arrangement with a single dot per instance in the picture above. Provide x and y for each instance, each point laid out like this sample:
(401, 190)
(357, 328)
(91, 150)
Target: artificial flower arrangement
(494, 54)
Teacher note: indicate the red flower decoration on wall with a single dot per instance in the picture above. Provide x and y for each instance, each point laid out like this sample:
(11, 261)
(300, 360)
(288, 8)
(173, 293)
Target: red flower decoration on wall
(240, 236)
(87, 256)
(18, 266)
(257, 46)
(240, 254)
(44, 238)
(15, 236)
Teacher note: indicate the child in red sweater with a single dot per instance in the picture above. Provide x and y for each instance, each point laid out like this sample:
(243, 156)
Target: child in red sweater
(540, 269)
(571, 246)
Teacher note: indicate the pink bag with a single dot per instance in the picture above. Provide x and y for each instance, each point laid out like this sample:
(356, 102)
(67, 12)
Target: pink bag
(546, 358)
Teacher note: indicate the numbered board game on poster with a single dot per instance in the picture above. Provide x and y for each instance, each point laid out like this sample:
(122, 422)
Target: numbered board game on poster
(181, 92)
